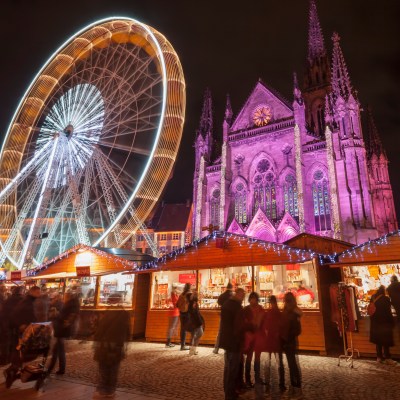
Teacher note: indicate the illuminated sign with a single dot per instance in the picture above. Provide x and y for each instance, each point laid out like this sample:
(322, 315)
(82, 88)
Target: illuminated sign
(82, 271)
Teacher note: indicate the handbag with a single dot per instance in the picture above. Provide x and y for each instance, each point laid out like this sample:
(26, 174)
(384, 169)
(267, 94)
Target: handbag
(371, 309)
(31, 372)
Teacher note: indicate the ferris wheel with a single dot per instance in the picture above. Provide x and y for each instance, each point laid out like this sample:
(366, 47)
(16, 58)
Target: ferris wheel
(92, 142)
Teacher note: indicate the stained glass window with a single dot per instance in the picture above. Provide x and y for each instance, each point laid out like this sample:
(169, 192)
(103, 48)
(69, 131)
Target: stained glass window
(322, 209)
(240, 196)
(290, 196)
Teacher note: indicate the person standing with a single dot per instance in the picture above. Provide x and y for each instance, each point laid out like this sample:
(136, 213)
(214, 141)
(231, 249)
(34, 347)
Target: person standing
(394, 294)
(63, 326)
(110, 338)
(183, 306)
(221, 300)
(195, 323)
(382, 324)
(173, 317)
(289, 332)
(253, 316)
(269, 341)
(230, 341)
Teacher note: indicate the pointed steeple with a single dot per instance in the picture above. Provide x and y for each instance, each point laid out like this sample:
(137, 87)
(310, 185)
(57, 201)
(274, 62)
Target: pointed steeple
(373, 144)
(296, 90)
(316, 46)
(228, 110)
(206, 120)
(341, 85)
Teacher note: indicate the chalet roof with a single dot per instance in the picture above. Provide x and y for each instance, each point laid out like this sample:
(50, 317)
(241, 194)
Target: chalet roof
(127, 254)
(171, 218)
(385, 249)
(112, 263)
(224, 249)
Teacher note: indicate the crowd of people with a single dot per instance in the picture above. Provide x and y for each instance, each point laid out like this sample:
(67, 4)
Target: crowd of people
(244, 333)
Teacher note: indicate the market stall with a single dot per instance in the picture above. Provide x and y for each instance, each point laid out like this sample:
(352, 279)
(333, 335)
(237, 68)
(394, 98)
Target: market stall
(251, 264)
(364, 268)
(94, 275)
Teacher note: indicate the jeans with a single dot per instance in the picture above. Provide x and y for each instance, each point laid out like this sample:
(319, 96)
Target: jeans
(247, 367)
(108, 376)
(196, 335)
(231, 369)
(382, 351)
(294, 368)
(58, 353)
(267, 370)
(183, 318)
(172, 324)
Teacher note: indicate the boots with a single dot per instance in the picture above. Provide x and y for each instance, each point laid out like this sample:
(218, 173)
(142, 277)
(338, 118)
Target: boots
(193, 351)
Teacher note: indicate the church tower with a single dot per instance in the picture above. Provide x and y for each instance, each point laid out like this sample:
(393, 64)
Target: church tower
(203, 149)
(317, 76)
(381, 189)
(343, 115)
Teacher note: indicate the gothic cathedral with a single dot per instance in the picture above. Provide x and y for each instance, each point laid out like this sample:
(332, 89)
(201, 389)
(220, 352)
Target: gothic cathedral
(287, 168)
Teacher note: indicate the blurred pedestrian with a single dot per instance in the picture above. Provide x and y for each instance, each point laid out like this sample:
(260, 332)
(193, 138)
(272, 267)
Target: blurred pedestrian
(268, 340)
(173, 317)
(3, 325)
(183, 306)
(110, 346)
(290, 330)
(230, 341)
(382, 324)
(221, 300)
(63, 328)
(253, 316)
(42, 306)
(195, 324)
(394, 294)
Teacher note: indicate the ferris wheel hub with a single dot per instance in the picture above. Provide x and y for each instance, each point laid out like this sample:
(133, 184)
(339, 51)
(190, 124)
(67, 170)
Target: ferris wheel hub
(69, 130)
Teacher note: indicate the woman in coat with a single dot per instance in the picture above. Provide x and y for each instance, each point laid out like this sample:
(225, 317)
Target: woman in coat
(195, 323)
(382, 324)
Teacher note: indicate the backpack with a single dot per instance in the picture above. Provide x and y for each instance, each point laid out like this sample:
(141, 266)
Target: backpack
(371, 309)
(182, 304)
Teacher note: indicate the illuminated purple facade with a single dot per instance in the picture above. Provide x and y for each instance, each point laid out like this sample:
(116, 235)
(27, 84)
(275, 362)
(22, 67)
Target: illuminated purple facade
(306, 166)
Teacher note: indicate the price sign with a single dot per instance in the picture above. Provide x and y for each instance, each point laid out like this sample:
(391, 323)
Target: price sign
(82, 271)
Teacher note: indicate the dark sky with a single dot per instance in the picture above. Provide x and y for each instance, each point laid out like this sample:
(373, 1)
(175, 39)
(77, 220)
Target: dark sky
(227, 46)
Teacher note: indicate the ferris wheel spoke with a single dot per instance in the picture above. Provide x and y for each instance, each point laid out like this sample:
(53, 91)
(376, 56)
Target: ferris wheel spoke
(29, 167)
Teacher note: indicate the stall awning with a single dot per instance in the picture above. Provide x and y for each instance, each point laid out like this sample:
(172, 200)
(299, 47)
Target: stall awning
(223, 249)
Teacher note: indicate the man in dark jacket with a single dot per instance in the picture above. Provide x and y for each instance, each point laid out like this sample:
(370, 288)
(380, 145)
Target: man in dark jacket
(221, 300)
(394, 294)
(230, 340)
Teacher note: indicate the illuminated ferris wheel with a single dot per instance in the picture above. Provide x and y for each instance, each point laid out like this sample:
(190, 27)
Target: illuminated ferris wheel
(92, 142)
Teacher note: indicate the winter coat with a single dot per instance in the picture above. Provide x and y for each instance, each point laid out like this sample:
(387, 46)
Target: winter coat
(173, 310)
(110, 337)
(195, 319)
(24, 313)
(290, 328)
(230, 328)
(224, 297)
(382, 322)
(64, 323)
(268, 338)
(394, 294)
(253, 317)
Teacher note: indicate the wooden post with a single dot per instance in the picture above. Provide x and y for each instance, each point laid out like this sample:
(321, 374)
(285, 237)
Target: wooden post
(97, 292)
(252, 279)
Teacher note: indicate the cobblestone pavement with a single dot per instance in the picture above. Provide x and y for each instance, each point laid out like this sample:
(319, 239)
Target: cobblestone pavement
(170, 373)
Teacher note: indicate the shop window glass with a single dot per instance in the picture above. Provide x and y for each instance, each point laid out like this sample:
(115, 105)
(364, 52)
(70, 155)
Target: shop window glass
(280, 279)
(116, 283)
(366, 280)
(212, 283)
(85, 288)
(164, 281)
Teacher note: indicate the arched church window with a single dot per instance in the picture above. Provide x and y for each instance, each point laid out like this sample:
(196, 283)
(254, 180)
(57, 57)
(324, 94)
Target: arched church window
(322, 209)
(264, 196)
(240, 195)
(290, 196)
(214, 207)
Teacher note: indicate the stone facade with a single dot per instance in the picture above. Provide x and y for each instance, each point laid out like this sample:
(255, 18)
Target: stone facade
(292, 167)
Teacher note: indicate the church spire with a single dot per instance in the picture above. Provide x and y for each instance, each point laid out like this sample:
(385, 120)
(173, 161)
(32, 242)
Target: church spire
(296, 90)
(341, 85)
(206, 120)
(316, 46)
(228, 110)
(373, 144)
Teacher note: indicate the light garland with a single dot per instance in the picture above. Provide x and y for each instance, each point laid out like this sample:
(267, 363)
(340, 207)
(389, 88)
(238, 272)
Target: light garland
(299, 178)
(335, 215)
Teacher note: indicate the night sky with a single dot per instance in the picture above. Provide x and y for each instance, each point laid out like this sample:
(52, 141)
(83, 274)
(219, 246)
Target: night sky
(226, 46)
